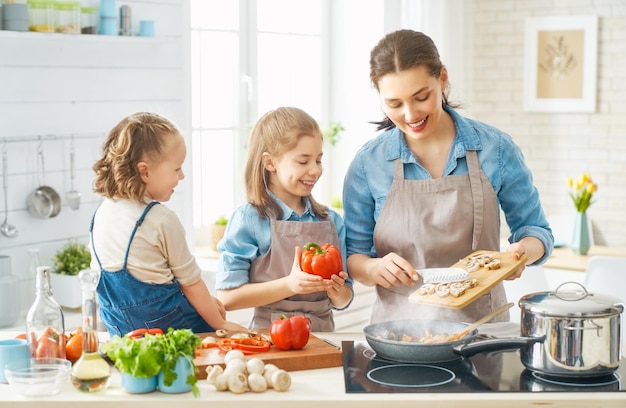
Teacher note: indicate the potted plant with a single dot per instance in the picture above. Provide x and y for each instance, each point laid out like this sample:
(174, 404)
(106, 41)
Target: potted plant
(137, 359)
(154, 359)
(68, 262)
(333, 132)
(216, 232)
(178, 371)
(337, 205)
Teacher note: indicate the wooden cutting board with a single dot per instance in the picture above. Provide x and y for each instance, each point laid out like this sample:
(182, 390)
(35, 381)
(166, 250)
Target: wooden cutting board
(316, 354)
(486, 278)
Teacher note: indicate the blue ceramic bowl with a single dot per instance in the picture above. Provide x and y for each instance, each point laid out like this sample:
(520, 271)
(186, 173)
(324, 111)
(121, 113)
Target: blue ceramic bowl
(183, 370)
(138, 385)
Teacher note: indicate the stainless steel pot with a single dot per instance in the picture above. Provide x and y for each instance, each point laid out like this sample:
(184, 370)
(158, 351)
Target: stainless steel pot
(564, 333)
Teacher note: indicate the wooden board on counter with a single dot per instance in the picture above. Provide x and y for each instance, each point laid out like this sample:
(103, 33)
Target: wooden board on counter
(316, 354)
(486, 280)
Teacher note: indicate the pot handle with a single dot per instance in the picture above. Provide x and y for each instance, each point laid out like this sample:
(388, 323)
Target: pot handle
(469, 349)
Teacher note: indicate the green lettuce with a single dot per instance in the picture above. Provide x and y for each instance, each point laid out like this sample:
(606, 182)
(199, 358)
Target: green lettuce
(145, 357)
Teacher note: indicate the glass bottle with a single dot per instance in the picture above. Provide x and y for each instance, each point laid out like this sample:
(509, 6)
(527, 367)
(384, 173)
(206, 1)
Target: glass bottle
(91, 372)
(28, 280)
(45, 325)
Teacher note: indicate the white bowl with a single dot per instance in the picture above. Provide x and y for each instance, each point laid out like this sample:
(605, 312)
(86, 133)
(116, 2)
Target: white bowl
(38, 377)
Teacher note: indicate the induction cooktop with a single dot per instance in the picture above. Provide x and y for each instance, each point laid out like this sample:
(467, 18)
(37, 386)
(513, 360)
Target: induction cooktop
(502, 371)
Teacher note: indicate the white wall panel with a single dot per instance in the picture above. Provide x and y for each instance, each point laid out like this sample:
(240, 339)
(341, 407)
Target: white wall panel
(53, 86)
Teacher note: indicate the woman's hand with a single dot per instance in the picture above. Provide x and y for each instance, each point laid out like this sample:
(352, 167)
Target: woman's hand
(518, 249)
(392, 270)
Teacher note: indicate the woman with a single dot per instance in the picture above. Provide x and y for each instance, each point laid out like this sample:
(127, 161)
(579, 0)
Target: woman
(428, 191)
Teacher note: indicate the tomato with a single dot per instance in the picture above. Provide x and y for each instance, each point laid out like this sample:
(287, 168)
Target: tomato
(290, 333)
(74, 347)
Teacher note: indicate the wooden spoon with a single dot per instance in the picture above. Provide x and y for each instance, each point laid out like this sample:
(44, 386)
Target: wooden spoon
(462, 333)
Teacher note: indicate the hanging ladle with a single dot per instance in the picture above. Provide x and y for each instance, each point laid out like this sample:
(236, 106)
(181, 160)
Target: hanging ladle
(72, 196)
(7, 229)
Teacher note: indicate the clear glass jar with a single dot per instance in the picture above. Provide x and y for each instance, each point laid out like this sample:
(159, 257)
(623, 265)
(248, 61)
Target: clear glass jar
(45, 325)
(89, 20)
(41, 15)
(67, 17)
(91, 372)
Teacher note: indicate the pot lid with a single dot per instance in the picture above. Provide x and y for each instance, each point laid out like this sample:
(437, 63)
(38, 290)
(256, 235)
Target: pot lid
(574, 300)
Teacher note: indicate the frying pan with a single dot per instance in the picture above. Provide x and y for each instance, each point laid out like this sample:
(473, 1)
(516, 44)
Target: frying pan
(383, 338)
(377, 336)
(44, 201)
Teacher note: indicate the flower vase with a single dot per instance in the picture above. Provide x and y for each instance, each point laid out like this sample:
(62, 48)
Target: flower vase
(581, 239)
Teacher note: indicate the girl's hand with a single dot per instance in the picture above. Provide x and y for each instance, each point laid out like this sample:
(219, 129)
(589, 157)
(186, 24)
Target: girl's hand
(300, 282)
(220, 307)
(393, 270)
(335, 284)
(233, 327)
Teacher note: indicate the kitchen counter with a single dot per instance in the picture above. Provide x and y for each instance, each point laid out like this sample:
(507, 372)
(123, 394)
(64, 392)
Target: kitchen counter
(565, 258)
(310, 388)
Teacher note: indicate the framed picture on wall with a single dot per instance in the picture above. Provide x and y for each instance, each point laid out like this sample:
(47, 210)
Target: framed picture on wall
(560, 64)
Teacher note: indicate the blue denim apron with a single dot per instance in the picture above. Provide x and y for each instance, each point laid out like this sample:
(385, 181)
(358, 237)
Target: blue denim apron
(127, 303)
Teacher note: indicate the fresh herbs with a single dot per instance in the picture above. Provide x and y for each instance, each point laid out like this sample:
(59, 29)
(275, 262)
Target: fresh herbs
(73, 258)
(175, 344)
(146, 356)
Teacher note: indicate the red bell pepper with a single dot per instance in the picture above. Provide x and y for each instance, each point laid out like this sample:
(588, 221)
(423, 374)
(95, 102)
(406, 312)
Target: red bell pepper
(290, 333)
(324, 261)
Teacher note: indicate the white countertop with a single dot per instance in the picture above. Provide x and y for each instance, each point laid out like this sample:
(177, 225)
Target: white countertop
(310, 388)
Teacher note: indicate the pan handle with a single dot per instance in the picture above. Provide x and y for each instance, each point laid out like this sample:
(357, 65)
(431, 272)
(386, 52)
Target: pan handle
(469, 349)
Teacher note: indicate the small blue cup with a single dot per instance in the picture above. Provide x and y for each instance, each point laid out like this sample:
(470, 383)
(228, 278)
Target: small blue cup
(147, 28)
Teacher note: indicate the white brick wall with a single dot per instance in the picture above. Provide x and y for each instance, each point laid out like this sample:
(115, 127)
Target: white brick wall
(561, 145)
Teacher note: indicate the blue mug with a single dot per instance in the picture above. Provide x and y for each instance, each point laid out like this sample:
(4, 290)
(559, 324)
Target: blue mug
(12, 350)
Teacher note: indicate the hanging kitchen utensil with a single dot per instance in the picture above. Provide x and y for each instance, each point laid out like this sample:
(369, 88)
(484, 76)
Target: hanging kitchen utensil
(44, 201)
(72, 196)
(7, 229)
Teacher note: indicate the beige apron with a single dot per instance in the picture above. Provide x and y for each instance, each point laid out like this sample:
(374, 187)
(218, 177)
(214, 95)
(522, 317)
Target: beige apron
(434, 223)
(277, 262)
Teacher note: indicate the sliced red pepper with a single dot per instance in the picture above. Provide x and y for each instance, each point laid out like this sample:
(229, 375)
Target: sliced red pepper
(139, 333)
(247, 346)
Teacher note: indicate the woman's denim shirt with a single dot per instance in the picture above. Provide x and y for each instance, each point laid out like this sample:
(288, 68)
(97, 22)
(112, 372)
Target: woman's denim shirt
(370, 175)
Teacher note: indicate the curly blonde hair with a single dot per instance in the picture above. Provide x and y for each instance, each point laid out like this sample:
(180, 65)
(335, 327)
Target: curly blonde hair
(276, 132)
(138, 137)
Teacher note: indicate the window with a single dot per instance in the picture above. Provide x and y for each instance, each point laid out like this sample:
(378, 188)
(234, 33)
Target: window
(247, 57)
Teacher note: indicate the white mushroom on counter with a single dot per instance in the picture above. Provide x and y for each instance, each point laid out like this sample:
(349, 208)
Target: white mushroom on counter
(241, 375)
